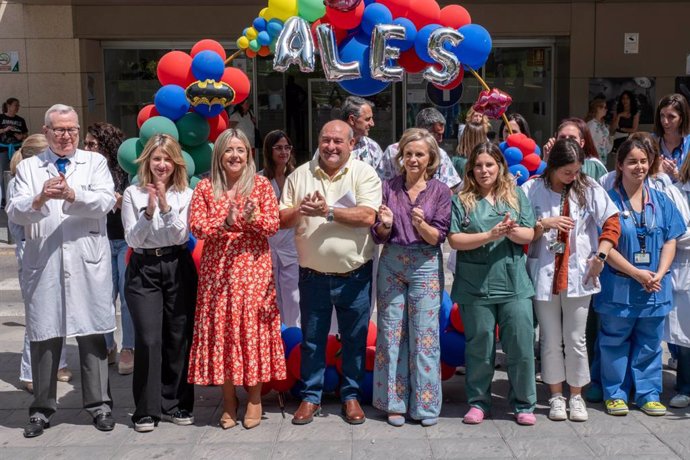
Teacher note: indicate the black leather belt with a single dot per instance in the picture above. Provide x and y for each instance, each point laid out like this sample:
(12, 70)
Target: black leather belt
(159, 252)
(339, 275)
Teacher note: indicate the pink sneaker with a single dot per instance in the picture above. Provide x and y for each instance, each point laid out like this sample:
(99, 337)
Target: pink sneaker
(525, 418)
(474, 416)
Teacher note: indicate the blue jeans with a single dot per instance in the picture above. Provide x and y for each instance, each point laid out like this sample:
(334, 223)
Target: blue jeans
(351, 297)
(683, 370)
(118, 249)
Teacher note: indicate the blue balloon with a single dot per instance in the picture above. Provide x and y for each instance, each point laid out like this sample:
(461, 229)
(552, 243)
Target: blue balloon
(259, 24)
(208, 65)
(282, 327)
(410, 34)
(356, 48)
(274, 27)
(541, 168)
(191, 243)
(209, 111)
(375, 14)
(331, 379)
(171, 102)
(474, 49)
(264, 38)
(444, 312)
(537, 150)
(421, 42)
(520, 172)
(513, 155)
(368, 2)
(503, 146)
(366, 386)
(292, 336)
(452, 348)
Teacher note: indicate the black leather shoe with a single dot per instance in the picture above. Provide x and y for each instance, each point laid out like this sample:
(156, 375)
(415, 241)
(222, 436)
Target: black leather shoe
(35, 427)
(104, 421)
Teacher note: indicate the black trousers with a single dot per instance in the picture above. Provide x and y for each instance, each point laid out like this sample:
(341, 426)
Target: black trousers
(161, 296)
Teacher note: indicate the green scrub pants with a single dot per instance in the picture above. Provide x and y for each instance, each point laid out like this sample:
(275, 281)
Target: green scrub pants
(516, 323)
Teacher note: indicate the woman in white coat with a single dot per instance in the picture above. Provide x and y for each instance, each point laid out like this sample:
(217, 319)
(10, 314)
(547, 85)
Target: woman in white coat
(677, 327)
(565, 259)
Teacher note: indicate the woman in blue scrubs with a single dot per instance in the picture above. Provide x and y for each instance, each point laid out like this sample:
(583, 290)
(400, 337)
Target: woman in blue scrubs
(636, 292)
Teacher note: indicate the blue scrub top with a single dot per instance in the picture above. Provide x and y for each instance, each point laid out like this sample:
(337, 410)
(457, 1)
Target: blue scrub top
(621, 295)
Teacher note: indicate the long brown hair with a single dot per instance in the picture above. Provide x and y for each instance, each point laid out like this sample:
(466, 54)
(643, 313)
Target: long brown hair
(170, 147)
(472, 135)
(503, 188)
(566, 152)
(588, 143)
(679, 104)
(270, 140)
(245, 184)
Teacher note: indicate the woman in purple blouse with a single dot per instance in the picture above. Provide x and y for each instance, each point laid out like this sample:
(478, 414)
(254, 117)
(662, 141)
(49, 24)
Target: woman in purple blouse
(412, 224)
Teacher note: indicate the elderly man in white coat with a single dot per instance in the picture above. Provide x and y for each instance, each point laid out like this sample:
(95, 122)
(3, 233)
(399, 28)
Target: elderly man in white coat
(61, 197)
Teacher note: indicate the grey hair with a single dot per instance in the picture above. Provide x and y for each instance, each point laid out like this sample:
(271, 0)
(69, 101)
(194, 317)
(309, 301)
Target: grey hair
(352, 105)
(427, 117)
(57, 108)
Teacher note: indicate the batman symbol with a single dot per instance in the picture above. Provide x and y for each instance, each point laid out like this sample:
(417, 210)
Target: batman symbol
(210, 92)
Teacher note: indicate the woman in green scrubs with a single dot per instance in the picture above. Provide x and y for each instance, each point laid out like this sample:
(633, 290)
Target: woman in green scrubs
(491, 221)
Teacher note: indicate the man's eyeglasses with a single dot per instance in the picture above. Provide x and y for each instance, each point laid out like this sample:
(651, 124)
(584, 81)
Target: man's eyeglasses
(63, 131)
(91, 145)
(284, 148)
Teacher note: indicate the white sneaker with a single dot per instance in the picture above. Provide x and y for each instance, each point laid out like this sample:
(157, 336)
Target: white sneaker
(679, 400)
(557, 411)
(578, 409)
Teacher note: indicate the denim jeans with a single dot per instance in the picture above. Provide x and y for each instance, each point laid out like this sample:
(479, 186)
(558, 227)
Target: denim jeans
(351, 297)
(683, 370)
(118, 249)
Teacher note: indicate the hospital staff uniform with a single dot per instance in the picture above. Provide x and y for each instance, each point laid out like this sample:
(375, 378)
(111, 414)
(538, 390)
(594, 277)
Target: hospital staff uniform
(492, 287)
(632, 320)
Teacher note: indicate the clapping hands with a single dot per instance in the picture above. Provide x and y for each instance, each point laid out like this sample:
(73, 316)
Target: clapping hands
(313, 205)
(503, 228)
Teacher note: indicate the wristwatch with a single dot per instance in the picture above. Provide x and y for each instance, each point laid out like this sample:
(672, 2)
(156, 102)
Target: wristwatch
(329, 214)
(602, 256)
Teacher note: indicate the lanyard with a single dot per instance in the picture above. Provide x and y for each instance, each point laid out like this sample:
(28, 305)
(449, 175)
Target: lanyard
(562, 236)
(641, 228)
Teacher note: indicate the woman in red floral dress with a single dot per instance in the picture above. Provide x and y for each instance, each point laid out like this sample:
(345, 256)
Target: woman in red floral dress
(237, 326)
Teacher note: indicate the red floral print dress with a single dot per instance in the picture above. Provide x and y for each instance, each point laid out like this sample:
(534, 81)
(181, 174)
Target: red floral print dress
(237, 323)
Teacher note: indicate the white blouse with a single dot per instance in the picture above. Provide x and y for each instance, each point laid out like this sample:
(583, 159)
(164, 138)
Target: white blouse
(169, 229)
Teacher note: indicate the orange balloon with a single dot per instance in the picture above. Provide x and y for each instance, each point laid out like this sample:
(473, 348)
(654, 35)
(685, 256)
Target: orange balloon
(264, 51)
(250, 54)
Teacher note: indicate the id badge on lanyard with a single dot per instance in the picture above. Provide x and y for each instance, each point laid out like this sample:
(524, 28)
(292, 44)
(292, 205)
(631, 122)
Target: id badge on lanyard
(641, 257)
(557, 246)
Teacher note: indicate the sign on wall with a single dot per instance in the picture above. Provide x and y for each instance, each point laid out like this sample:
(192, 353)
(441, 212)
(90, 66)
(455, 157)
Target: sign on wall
(9, 61)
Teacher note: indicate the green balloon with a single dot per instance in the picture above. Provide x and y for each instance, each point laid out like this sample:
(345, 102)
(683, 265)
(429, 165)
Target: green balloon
(193, 129)
(158, 125)
(202, 155)
(311, 10)
(189, 162)
(128, 153)
(193, 181)
(254, 45)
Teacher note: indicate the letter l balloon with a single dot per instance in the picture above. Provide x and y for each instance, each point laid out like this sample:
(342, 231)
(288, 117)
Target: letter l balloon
(333, 68)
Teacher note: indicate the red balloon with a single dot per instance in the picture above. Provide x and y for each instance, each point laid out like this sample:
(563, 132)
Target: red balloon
(371, 334)
(345, 20)
(196, 254)
(239, 82)
(424, 12)
(217, 124)
(175, 68)
(333, 347)
(370, 358)
(455, 83)
(410, 61)
(294, 360)
(455, 16)
(225, 116)
(398, 8)
(251, 54)
(447, 371)
(284, 385)
(210, 45)
(531, 162)
(521, 141)
(128, 255)
(264, 51)
(146, 113)
(456, 319)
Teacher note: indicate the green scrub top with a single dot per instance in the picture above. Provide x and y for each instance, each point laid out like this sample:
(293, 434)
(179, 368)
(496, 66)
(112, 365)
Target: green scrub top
(594, 169)
(497, 271)
(459, 164)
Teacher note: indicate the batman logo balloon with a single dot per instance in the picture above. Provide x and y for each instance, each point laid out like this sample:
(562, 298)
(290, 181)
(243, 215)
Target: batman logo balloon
(210, 92)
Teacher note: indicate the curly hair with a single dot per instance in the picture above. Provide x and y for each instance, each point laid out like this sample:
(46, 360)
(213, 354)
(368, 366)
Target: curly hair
(109, 138)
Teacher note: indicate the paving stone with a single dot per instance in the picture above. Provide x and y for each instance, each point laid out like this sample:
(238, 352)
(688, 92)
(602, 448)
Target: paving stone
(624, 445)
(153, 451)
(385, 449)
(470, 448)
(325, 448)
(238, 450)
(556, 446)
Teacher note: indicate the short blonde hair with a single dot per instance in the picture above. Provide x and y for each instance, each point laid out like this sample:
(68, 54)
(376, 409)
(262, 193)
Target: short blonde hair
(170, 147)
(419, 134)
(245, 184)
(32, 145)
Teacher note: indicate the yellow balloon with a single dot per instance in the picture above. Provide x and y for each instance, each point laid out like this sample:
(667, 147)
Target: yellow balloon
(262, 13)
(282, 9)
(243, 43)
(251, 33)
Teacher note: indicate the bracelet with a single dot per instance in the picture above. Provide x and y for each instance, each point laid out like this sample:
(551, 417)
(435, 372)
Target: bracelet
(147, 215)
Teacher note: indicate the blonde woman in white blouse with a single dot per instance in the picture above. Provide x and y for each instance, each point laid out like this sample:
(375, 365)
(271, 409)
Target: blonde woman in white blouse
(160, 285)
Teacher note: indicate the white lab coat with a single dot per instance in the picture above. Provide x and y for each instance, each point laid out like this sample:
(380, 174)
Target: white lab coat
(66, 269)
(677, 326)
(584, 238)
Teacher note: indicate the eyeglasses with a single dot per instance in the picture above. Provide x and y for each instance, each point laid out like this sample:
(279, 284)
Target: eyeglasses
(91, 145)
(62, 131)
(284, 148)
